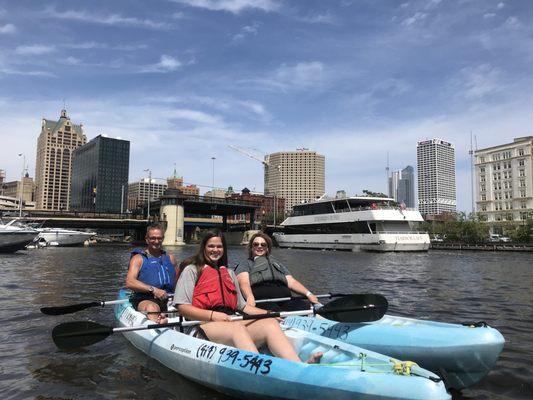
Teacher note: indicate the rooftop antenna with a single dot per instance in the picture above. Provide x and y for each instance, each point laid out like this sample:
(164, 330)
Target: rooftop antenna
(387, 172)
(471, 152)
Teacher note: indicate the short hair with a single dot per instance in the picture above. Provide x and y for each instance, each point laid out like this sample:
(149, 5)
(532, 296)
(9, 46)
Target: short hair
(154, 226)
(263, 236)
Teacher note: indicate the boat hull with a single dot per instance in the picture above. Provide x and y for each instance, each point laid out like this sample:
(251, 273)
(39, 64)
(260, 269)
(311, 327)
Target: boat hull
(11, 241)
(65, 238)
(345, 372)
(381, 242)
(462, 355)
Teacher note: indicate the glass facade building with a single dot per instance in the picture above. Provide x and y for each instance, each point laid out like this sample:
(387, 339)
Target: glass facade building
(100, 175)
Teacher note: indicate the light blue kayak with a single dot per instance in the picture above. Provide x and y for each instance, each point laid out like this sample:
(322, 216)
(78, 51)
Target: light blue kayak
(345, 371)
(461, 355)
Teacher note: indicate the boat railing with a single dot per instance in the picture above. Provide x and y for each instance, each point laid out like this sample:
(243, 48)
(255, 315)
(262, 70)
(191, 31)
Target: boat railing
(402, 232)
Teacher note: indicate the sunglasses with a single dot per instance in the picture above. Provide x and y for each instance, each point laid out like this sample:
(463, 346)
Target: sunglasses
(256, 244)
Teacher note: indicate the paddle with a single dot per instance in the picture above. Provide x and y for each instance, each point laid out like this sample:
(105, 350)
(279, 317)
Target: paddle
(319, 296)
(76, 334)
(72, 308)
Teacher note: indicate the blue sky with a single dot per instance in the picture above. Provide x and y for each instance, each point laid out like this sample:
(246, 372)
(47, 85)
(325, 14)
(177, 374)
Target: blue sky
(351, 79)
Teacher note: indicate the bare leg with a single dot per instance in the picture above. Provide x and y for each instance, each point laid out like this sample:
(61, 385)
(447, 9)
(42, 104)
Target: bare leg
(150, 306)
(231, 334)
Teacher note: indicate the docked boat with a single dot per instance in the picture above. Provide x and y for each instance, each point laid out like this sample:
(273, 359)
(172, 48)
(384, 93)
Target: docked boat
(353, 223)
(345, 371)
(15, 236)
(461, 354)
(63, 237)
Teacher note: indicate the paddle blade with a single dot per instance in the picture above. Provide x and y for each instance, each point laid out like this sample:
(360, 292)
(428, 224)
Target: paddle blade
(72, 335)
(69, 309)
(355, 308)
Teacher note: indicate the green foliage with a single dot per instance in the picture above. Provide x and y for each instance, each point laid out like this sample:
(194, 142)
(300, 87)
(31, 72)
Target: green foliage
(369, 193)
(522, 233)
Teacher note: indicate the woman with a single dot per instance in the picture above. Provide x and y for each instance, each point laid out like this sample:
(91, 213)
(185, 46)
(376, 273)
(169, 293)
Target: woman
(208, 291)
(151, 275)
(262, 277)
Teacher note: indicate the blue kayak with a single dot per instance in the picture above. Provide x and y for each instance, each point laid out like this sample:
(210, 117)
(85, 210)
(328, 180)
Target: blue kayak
(345, 371)
(461, 355)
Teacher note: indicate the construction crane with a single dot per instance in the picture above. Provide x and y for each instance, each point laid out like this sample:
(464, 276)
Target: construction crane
(266, 164)
(248, 154)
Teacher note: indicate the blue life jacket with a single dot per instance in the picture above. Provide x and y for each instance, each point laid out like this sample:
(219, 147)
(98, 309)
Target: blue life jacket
(158, 272)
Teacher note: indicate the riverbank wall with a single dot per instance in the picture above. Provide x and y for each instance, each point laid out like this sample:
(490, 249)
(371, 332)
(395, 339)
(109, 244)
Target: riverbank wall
(482, 247)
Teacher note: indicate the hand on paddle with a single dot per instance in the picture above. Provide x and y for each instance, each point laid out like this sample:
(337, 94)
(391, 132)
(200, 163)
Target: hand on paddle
(160, 294)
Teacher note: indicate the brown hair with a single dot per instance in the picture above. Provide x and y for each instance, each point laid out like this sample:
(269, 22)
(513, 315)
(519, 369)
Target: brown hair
(263, 236)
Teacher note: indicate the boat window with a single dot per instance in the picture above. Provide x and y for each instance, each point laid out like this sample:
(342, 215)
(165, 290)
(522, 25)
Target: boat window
(341, 228)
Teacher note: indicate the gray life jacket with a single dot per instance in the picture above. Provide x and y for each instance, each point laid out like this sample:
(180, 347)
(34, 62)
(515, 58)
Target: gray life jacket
(263, 270)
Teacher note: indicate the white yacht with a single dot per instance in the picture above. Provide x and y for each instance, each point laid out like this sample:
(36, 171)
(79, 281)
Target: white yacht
(15, 236)
(63, 237)
(353, 223)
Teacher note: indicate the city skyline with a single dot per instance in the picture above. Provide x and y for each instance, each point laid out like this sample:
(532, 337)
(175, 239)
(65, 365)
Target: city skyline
(350, 80)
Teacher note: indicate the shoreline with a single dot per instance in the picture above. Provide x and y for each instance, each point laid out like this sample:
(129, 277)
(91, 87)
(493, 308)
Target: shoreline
(482, 247)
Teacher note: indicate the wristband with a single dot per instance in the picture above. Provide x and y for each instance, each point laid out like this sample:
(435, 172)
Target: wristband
(308, 293)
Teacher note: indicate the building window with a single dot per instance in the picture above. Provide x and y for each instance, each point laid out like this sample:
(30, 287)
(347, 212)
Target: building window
(520, 152)
(482, 159)
(483, 197)
(522, 173)
(521, 163)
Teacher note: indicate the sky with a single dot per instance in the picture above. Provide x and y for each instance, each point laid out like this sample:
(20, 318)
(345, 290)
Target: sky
(354, 80)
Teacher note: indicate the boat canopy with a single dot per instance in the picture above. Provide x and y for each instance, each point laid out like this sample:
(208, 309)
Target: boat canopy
(329, 206)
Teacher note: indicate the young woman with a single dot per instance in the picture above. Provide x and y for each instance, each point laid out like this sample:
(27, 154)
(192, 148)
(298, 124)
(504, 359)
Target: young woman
(151, 275)
(208, 291)
(263, 277)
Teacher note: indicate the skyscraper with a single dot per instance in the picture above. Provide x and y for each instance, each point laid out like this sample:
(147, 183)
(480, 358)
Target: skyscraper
(296, 176)
(436, 177)
(56, 143)
(402, 186)
(100, 175)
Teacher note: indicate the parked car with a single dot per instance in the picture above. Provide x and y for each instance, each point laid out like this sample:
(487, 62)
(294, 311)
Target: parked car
(437, 238)
(497, 238)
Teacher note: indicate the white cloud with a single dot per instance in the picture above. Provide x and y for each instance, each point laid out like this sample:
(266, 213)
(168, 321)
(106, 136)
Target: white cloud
(500, 5)
(512, 23)
(166, 64)
(247, 30)
(7, 28)
(111, 19)
(417, 17)
(35, 49)
(233, 6)
(73, 61)
(194, 116)
(11, 71)
(325, 18)
(302, 74)
(489, 15)
(480, 81)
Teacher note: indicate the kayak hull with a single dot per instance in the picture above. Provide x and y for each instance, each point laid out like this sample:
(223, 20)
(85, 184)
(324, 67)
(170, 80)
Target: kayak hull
(345, 371)
(462, 355)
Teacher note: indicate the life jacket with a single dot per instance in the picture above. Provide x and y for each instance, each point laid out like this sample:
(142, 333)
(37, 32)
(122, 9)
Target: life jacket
(215, 290)
(265, 270)
(158, 272)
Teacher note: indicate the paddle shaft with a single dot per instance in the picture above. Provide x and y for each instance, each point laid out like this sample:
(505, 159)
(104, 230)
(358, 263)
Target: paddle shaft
(319, 296)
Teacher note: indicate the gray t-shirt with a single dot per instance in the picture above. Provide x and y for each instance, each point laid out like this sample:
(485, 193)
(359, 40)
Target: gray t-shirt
(246, 266)
(187, 282)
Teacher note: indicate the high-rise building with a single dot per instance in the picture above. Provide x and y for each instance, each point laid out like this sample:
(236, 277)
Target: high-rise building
(55, 145)
(100, 171)
(504, 181)
(402, 186)
(139, 192)
(436, 177)
(297, 176)
(176, 182)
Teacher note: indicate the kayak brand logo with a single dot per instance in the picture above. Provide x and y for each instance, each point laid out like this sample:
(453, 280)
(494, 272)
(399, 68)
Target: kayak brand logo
(173, 347)
(129, 318)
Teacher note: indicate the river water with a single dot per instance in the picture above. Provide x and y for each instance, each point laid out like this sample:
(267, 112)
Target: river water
(439, 285)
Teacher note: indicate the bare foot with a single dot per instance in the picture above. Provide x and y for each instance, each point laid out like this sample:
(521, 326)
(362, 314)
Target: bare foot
(162, 319)
(315, 358)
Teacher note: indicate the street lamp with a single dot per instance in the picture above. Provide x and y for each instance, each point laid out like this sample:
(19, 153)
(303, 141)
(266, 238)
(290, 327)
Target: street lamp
(149, 190)
(22, 182)
(213, 159)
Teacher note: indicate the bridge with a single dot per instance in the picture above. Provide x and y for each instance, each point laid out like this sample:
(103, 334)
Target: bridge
(176, 211)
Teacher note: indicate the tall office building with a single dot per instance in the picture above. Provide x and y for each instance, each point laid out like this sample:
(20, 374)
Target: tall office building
(297, 176)
(504, 180)
(402, 186)
(436, 177)
(100, 175)
(139, 192)
(55, 145)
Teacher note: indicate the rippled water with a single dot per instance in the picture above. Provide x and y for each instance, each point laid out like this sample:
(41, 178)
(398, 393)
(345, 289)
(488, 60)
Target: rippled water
(439, 285)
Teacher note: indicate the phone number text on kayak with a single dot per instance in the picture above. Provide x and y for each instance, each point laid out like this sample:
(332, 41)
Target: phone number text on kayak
(251, 362)
(327, 329)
